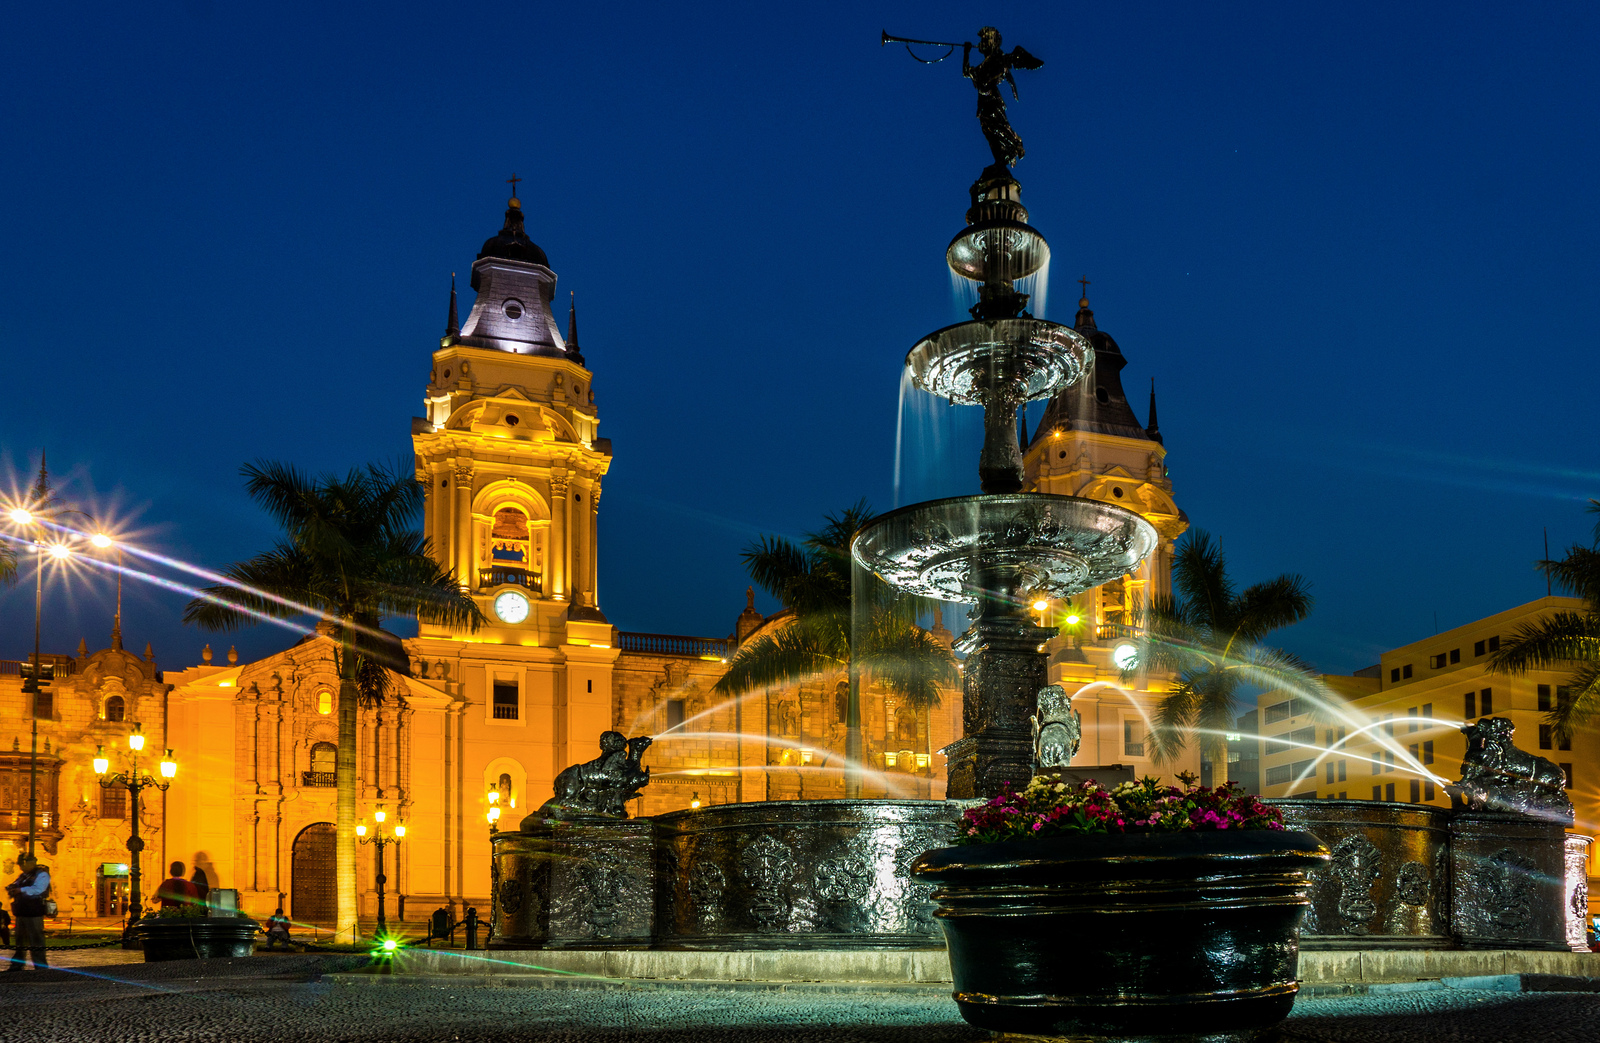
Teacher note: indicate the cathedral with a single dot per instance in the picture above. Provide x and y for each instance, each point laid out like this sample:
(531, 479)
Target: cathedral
(509, 450)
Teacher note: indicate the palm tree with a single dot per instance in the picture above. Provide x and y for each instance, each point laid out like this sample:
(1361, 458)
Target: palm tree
(812, 580)
(1209, 634)
(1564, 639)
(349, 553)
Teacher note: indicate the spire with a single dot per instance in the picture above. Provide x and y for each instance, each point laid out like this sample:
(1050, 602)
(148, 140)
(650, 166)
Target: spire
(42, 495)
(572, 332)
(452, 324)
(1153, 429)
(1085, 319)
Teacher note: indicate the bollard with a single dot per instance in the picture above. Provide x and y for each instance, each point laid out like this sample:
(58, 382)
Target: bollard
(472, 927)
(440, 925)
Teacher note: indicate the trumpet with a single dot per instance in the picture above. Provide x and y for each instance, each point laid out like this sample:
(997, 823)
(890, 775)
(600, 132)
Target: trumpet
(887, 39)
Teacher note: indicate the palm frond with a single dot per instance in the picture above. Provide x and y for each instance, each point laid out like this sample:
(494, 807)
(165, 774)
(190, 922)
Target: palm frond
(1551, 641)
(1578, 573)
(905, 659)
(1273, 605)
(1200, 577)
(775, 564)
(802, 649)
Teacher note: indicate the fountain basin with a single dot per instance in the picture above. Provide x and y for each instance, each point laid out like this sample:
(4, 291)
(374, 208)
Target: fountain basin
(1387, 885)
(986, 360)
(1001, 250)
(958, 549)
(799, 874)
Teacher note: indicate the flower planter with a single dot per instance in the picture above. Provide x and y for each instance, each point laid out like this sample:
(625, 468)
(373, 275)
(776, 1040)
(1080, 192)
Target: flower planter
(1141, 936)
(195, 937)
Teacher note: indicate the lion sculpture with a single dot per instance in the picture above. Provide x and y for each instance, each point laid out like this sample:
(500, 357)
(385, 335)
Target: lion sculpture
(1057, 729)
(1496, 776)
(604, 785)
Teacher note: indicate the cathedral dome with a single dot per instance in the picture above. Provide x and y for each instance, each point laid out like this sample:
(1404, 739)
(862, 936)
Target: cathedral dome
(512, 242)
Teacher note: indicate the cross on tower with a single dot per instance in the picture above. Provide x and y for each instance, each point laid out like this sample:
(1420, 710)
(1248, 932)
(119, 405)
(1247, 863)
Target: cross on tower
(512, 181)
(1085, 282)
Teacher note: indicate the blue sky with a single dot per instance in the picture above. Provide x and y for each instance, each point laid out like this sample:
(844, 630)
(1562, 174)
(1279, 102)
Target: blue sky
(1355, 246)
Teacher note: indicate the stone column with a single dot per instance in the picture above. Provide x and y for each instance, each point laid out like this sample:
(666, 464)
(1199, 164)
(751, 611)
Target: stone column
(556, 554)
(1508, 881)
(466, 575)
(594, 545)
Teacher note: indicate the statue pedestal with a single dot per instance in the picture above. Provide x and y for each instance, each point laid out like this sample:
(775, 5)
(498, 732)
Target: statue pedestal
(1508, 875)
(574, 883)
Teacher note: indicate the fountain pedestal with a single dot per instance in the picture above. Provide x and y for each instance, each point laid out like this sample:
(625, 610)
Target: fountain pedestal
(1509, 877)
(1004, 673)
(562, 883)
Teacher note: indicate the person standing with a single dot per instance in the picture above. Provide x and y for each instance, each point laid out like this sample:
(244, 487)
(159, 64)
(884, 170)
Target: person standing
(5, 929)
(202, 884)
(175, 890)
(27, 893)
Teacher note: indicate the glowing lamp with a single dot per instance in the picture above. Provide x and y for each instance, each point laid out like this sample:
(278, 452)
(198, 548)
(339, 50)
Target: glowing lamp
(694, 801)
(136, 738)
(169, 767)
(21, 515)
(399, 830)
(1123, 656)
(361, 829)
(60, 551)
(100, 540)
(494, 796)
(101, 763)
(494, 814)
(1040, 605)
(380, 814)
(390, 945)
(1073, 619)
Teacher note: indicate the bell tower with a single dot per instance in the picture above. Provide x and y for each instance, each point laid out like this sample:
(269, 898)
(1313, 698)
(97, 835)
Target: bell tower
(1090, 443)
(510, 454)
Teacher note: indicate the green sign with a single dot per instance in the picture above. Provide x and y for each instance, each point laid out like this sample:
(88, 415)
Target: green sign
(113, 869)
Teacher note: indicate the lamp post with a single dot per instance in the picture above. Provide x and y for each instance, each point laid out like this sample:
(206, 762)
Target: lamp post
(31, 517)
(382, 841)
(493, 814)
(136, 782)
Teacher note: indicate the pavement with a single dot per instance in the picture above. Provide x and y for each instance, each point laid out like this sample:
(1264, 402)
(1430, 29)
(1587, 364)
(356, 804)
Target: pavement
(316, 997)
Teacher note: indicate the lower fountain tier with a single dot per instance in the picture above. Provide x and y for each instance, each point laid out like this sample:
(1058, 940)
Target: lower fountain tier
(1010, 546)
(793, 874)
(988, 360)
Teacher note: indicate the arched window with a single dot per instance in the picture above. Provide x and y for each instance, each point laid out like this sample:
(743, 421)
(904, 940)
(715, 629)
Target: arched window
(324, 702)
(510, 538)
(116, 709)
(323, 757)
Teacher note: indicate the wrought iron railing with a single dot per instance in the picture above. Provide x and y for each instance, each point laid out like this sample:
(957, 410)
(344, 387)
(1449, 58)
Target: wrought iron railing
(678, 645)
(318, 778)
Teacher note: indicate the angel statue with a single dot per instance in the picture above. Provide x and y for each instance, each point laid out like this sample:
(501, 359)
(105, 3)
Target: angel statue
(987, 76)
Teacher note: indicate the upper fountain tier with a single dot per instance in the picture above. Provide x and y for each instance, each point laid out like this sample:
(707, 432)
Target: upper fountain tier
(1003, 357)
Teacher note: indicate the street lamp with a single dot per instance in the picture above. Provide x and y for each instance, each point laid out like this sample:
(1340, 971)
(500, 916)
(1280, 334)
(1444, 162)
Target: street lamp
(26, 518)
(397, 834)
(136, 782)
(493, 814)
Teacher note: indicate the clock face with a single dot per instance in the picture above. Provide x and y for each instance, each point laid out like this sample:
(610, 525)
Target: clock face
(511, 607)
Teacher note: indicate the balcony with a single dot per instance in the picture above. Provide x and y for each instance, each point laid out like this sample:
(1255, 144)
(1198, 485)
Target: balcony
(1117, 632)
(678, 645)
(503, 575)
(324, 779)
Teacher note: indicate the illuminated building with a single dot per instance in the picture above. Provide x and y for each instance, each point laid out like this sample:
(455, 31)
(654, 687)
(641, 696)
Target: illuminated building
(1089, 443)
